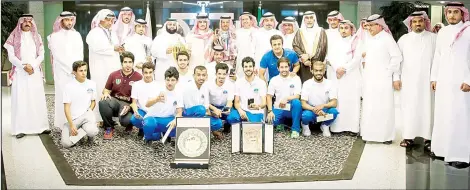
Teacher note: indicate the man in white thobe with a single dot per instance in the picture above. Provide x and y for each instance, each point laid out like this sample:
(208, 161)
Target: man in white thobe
(288, 27)
(450, 76)
(124, 26)
(267, 29)
(139, 44)
(199, 40)
(417, 48)
(165, 47)
(103, 51)
(345, 60)
(66, 47)
(333, 35)
(218, 57)
(28, 101)
(382, 60)
(245, 40)
(226, 38)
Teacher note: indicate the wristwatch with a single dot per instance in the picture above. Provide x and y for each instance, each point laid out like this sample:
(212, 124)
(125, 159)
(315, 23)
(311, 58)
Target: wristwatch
(269, 111)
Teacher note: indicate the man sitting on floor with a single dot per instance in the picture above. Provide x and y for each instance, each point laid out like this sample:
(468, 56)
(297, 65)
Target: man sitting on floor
(140, 95)
(250, 96)
(116, 96)
(79, 101)
(286, 90)
(165, 105)
(318, 99)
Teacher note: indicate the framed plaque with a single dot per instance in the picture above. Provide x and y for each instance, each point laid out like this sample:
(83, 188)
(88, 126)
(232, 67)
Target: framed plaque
(252, 137)
(192, 143)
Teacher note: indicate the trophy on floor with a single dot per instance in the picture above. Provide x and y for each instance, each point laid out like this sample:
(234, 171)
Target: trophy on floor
(192, 143)
(252, 137)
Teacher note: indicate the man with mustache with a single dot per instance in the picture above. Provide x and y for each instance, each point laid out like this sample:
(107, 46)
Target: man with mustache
(26, 52)
(245, 41)
(163, 47)
(319, 98)
(199, 40)
(250, 96)
(267, 24)
(417, 48)
(333, 35)
(139, 44)
(124, 26)
(450, 79)
(309, 42)
(224, 37)
(380, 77)
(288, 27)
(345, 60)
(66, 47)
(218, 57)
(116, 97)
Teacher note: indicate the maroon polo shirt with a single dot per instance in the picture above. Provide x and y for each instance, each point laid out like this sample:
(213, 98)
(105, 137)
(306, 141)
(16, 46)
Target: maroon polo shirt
(121, 85)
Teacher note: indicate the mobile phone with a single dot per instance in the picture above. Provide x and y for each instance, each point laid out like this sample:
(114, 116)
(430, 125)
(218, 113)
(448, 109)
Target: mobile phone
(232, 71)
(251, 101)
(226, 109)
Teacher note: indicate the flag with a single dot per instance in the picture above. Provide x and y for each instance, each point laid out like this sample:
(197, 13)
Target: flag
(149, 21)
(260, 14)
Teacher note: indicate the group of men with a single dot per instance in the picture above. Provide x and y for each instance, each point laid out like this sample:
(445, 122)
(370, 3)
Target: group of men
(255, 73)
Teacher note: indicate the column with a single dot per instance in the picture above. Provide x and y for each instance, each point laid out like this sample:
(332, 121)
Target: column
(349, 11)
(51, 11)
(436, 14)
(364, 9)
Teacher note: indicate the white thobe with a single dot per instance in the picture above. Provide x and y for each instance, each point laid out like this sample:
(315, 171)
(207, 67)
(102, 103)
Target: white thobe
(349, 86)
(103, 60)
(198, 49)
(416, 95)
(28, 101)
(451, 68)
(288, 38)
(334, 37)
(140, 46)
(66, 47)
(164, 61)
(378, 114)
(245, 47)
(263, 43)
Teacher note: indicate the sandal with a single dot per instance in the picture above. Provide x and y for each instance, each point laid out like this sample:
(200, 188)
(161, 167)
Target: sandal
(406, 143)
(427, 145)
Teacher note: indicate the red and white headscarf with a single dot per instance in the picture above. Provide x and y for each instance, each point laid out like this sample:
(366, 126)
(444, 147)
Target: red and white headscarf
(265, 16)
(118, 27)
(101, 15)
(304, 24)
(334, 14)
(361, 33)
(288, 20)
(465, 17)
(15, 39)
(58, 26)
(254, 21)
(201, 34)
(353, 32)
(141, 22)
(378, 19)
(420, 14)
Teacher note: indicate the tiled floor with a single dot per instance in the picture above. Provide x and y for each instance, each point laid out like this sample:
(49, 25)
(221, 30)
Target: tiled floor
(28, 165)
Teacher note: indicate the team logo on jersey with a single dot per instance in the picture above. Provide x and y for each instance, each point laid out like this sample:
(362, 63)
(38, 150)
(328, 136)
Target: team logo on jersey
(202, 96)
(327, 93)
(292, 86)
(225, 92)
(90, 90)
(256, 90)
(118, 81)
(174, 103)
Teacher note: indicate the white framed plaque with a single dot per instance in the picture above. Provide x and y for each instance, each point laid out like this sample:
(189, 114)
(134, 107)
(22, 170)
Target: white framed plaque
(252, 137)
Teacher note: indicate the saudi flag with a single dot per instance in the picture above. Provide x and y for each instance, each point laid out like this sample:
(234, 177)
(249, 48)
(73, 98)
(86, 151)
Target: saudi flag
(260, 14)
(149, 21)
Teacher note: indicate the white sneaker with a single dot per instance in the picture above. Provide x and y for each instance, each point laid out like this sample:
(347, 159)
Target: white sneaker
(326, 130)
(306, 131)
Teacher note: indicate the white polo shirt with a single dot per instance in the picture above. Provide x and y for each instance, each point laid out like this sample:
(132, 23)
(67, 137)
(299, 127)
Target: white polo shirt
(318, 93)
(219, 95)
(141, 91)
(211, 72)
(284, 87)
(246, 90)
(173, 100)
(192, 96)
(79, 96)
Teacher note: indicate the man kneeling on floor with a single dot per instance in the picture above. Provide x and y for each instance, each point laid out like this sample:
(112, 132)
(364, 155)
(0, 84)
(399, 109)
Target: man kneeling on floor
(286, 90)
(164, 105)
(140, 95)
(318, 99)
(79, 101)
(116, 97)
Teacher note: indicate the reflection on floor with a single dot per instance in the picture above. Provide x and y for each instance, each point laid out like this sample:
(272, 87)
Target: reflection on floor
(423, 172)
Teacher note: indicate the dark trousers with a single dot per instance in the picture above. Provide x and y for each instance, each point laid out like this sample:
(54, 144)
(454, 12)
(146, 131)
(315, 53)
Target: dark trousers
(112, 107)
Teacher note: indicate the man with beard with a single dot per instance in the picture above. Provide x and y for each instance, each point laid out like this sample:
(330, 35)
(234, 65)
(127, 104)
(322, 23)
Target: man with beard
(333, 35)
(124, 26)
(164, 107)
(103, 50)
(286, 90)
(139, 44)
(310, 42)
(165, 47)
(288, 27)
(140, 95)
(26, 52)
(198, 40)
(250, 96)
(245, 42)
(79, 101)
(218, 57)
(66, 47)
(380, 77)
(450, 76)
(116, 96)
(417, 48)
(270, 59)
(185, 74)
(319, 98)
(345, 60)
(224, 37)
(267, 29)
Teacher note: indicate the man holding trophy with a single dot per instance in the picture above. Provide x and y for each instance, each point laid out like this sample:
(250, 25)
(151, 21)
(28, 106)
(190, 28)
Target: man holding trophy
(224, 37)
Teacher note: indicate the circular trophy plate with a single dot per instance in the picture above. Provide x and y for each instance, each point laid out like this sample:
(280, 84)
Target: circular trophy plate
(192, 143)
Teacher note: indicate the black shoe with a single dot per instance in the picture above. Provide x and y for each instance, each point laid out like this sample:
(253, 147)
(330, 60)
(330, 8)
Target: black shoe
(21, 135)
(227, 128)
(459, 165)
(141, 133)
(46, 132)
(387, 142)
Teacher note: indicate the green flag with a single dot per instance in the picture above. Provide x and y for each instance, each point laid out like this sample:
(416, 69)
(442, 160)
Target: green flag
(259, 13)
